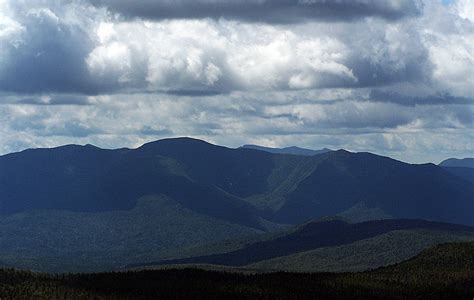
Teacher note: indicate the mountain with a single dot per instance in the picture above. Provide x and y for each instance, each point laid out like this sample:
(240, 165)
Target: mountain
(463, 168)
(96, 209)
(293, 150)
(441, 272)
(89, 179)
(241, 186)
(462, 172)
(330, 235)
(455, 162)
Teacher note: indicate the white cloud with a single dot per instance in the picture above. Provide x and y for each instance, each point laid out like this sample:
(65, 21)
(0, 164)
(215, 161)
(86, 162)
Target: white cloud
(449, 37)
(465, 9)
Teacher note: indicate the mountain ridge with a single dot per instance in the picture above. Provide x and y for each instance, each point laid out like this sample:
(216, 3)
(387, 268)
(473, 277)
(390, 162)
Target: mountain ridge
(279, 187)
(311, 236)
(467, 162)
(293, 150)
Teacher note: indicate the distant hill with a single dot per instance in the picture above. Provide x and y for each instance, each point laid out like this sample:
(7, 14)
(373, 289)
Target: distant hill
(457, 257)
(455, 162)
(381, 250)
(329, 236)
(293, 150)
(463, 168)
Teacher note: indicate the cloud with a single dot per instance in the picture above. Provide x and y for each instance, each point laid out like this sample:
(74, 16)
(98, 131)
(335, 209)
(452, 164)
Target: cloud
(42, 50)
(409, 100)
(130, 120)
(384, 54)
(390, 77)
(266, 11)
(149, 130)
(203, 57)
(74, 48)
(449, 36)
(59, 99)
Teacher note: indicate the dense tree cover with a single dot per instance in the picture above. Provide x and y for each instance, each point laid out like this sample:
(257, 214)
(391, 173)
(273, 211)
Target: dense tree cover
(382, 250)
(445, 271)
(314, 235)
(63, 241)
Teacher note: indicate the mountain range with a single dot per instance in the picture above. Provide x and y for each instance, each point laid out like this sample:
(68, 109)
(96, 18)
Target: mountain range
(166, 199)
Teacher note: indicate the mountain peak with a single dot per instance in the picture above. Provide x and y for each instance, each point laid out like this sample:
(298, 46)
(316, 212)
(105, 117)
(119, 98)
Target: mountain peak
(467, 162)
(178, 142)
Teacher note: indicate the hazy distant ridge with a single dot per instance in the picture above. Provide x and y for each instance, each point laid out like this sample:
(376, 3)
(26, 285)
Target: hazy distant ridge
(287, 150)
(455, 162)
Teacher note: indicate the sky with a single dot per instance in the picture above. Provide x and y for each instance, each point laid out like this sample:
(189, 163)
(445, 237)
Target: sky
(391, 77)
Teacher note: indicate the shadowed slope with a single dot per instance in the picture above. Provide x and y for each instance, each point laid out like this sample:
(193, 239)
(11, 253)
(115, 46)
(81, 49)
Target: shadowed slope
(312, 236)
(343, 179)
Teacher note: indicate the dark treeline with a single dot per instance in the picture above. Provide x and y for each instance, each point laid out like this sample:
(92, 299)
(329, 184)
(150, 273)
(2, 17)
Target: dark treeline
(443, 272)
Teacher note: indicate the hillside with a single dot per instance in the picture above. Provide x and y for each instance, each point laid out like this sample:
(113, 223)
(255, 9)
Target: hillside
(442, 272)
(381, 250)
(462, 172)
(296, 250)
(89, 179)
(65, 241)
(342, 180)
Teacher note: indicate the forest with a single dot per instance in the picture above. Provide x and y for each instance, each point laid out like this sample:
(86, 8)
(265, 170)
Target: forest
(442, 272)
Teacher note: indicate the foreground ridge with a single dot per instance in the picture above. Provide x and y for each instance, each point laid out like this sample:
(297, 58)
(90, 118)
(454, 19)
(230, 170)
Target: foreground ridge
(443, 271)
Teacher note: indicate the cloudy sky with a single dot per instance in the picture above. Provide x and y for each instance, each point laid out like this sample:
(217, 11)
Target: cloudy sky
(392, 77)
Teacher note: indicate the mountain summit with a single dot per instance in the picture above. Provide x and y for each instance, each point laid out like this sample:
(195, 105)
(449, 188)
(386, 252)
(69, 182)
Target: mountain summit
(460, 163)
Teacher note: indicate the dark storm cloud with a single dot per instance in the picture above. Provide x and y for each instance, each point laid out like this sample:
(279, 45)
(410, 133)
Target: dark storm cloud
(268, 11)
(407, 100)
(46, 57)
(195, 93)
(382, 57)
(371, 74)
